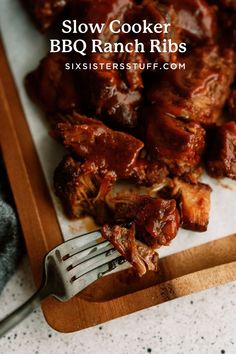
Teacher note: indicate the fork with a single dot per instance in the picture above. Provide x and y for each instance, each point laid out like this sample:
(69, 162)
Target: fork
(68, 269)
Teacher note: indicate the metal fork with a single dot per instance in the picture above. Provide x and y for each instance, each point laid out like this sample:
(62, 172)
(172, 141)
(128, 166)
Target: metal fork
(68, 269)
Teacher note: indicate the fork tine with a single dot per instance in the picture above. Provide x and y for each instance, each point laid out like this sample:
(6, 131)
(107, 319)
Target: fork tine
(106, 267)
(87, 254)
(92, 263)
(79, 262)
(80, 243)
(93, 274)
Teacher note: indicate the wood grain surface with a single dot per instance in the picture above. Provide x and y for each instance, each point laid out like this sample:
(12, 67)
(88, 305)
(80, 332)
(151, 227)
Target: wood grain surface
(116, 295)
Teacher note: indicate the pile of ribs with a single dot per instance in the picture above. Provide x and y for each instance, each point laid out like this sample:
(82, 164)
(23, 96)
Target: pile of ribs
(156, 130)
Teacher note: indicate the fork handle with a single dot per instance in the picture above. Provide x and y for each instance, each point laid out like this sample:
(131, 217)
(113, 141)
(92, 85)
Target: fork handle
(22, 311)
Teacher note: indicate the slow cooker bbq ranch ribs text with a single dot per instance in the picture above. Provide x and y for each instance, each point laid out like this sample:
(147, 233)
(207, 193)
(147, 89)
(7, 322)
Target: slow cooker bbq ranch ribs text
(153, 129)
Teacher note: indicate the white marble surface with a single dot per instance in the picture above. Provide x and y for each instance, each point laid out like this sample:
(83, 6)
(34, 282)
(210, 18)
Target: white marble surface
(203, 323)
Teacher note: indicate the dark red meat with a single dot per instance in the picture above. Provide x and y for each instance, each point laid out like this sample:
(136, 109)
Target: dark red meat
(232, 105)
(141, 257)
(157, 223)
(221, 158)
(199, 92)
(45, 12)
(109, 150)
(177, 143)
(195, 20)
(56, 89)
(194, 204)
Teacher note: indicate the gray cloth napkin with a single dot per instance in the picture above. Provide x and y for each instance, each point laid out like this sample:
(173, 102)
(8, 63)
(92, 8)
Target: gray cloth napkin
(10, 236)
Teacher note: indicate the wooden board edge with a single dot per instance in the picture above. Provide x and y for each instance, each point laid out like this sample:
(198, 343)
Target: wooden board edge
(34, 205)
(156, 295)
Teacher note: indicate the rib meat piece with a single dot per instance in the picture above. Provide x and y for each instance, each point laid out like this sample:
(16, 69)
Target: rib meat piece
(221, 153)
(148, 173)
(177, 143)
(141, 257)
(104, 11)
(154, 12)
(108, 96)
(111, 97)
(124, 207)
(157, 223)
(53, 87)
(226, 13)
(105, 94)
(231, 4)
(194, 204)
(132, 77)
(156, 220)
(82, 188)
(76, 186)
(231, 104)
(195, 20)
(45, 12)
(109, 150)
(199, 92)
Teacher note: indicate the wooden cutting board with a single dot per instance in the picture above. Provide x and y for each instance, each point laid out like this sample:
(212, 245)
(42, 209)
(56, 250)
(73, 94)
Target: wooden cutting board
(116, 295)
